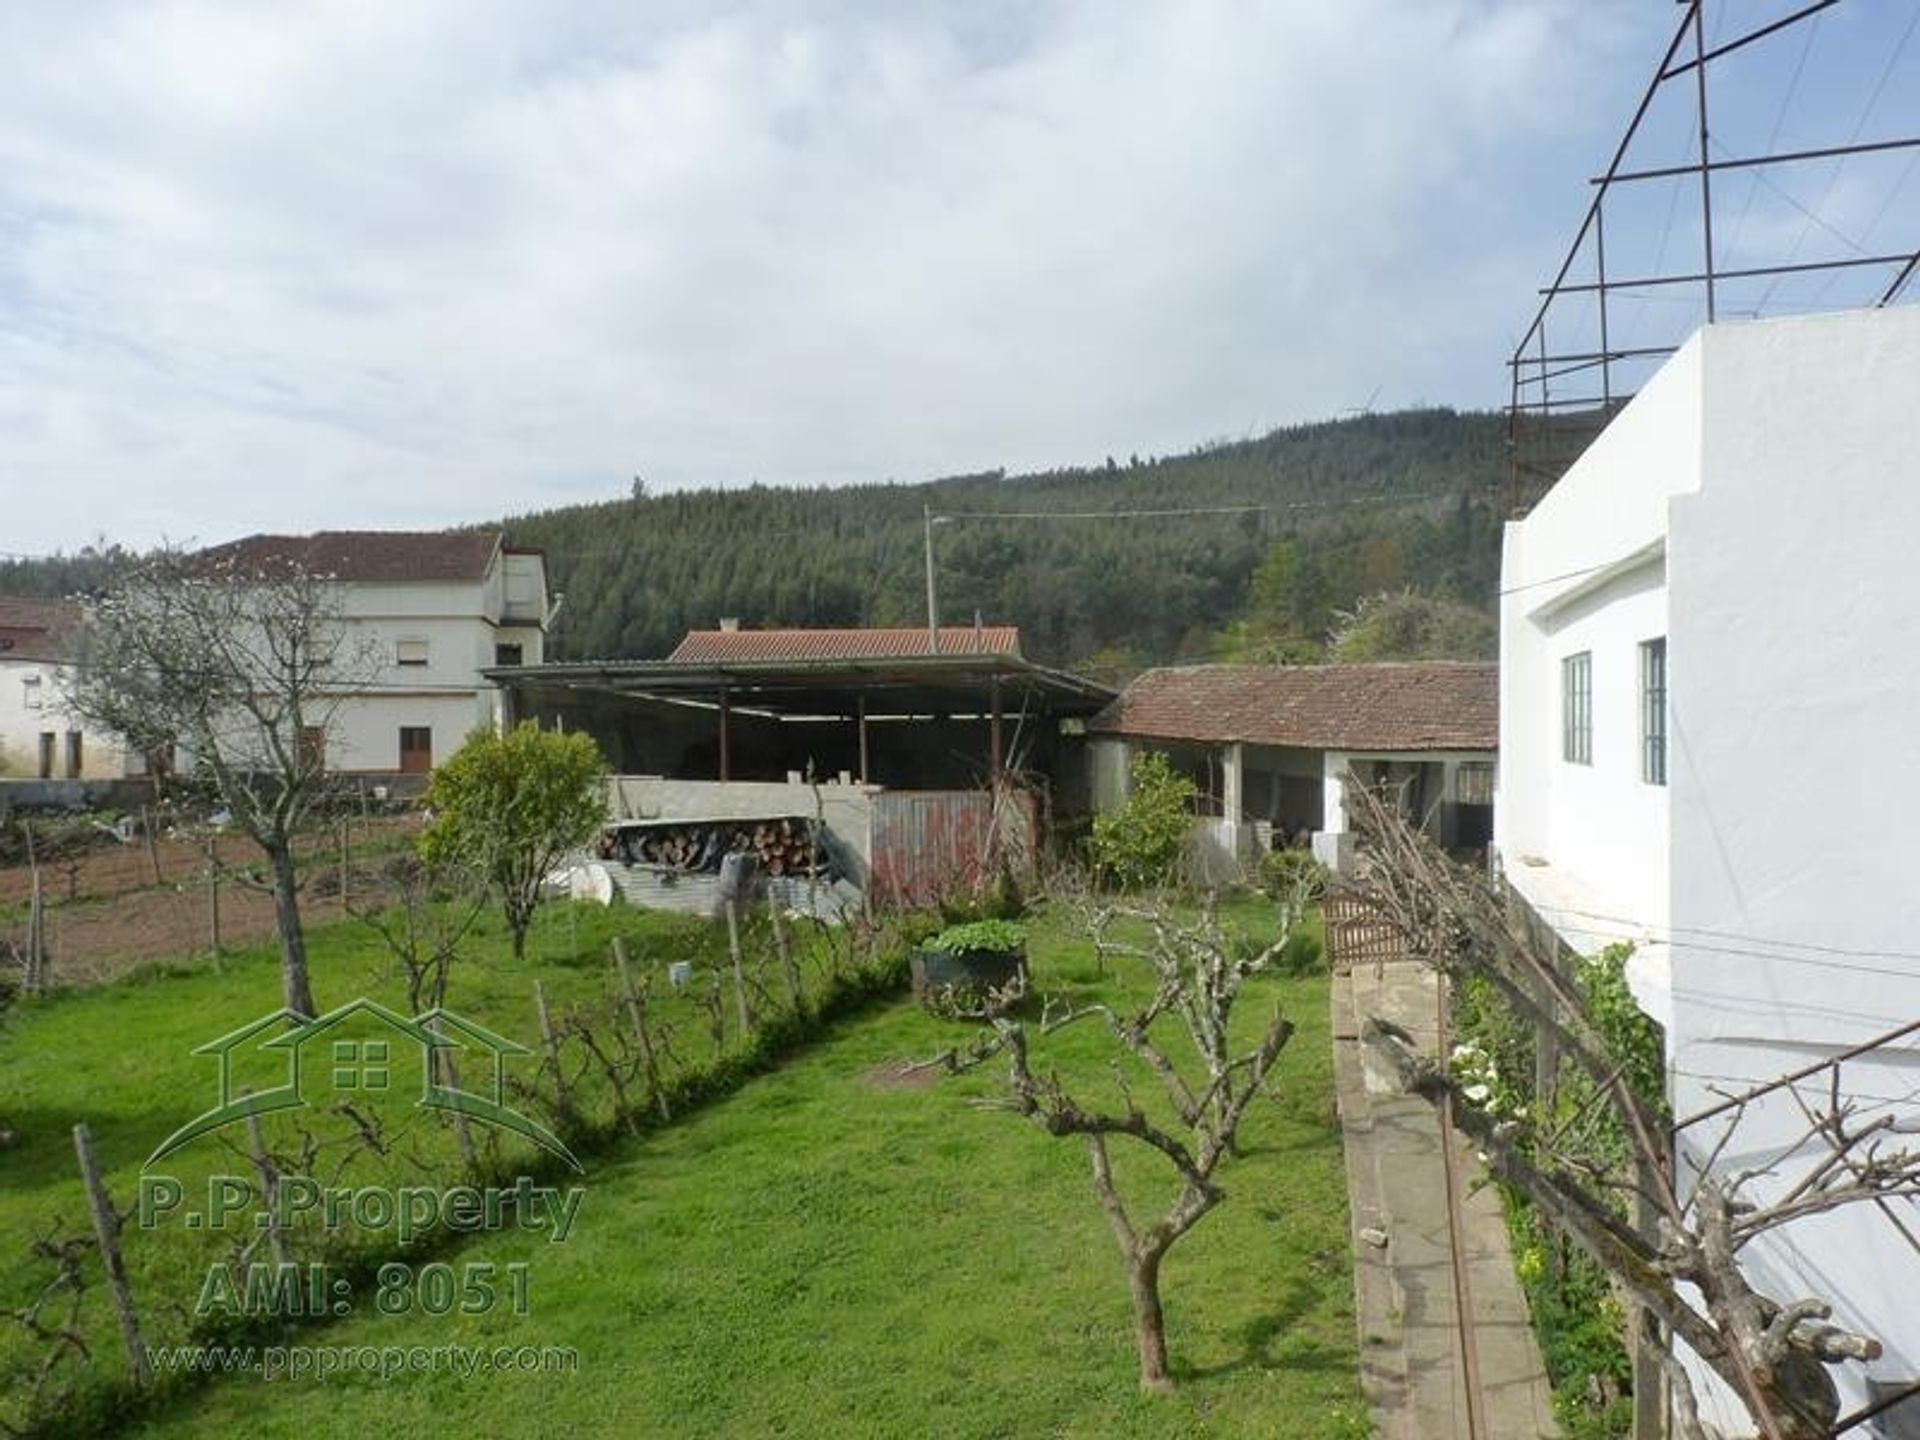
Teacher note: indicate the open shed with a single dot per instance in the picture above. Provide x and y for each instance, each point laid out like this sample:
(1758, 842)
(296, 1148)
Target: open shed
(926, 764)
(1271, 748)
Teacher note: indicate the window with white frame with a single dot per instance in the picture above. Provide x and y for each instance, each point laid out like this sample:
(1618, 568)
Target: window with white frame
(1653, 711)
(410, 652)
(1576, 708)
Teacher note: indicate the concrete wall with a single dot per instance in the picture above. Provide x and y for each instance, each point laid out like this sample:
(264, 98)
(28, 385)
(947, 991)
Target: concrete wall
(846, 809)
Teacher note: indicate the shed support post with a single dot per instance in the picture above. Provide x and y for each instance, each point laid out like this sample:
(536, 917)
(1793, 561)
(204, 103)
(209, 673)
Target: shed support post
(994, 753)
(861, 714)
(726, 759)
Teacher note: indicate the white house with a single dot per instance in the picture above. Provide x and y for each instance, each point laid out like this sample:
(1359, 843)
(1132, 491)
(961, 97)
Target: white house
(1710, 680)
(1271, 748)
(39, 740)
(434, 609)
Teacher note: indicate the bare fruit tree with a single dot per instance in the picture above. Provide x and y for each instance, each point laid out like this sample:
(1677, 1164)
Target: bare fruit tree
(242, 664)
(1180, 1040)
(423, 913)
(1678, 1247)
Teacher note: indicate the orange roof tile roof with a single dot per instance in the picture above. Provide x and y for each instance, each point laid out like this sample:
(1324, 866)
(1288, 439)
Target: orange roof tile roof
(1424, 705)
(42, 630)
(774, 646)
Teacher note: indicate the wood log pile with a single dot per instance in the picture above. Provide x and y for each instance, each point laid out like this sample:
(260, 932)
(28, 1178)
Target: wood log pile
(781, 847)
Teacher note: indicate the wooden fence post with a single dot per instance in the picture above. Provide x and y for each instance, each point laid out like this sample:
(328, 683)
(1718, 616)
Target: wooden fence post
(636, 1012)
(106, 1227)
(269, 1192)
(213, 897)
(552, 1045)
(739, 968)
(464, 1136)
(153, 845)
(35, 978)
(785, 952)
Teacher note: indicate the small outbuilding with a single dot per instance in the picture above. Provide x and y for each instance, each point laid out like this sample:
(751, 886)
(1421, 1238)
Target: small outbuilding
(898, 763)
(1272, 748)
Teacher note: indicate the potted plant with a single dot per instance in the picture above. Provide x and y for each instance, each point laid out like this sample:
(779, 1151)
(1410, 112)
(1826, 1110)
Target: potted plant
(972, 970)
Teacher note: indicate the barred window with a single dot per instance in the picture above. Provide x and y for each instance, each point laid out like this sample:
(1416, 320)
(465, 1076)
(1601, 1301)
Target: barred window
(1653, 711)
(1576, 708)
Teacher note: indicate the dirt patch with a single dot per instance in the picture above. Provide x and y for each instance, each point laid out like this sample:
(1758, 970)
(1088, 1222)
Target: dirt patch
(902, 1075)
(172, 861)
(89, 941)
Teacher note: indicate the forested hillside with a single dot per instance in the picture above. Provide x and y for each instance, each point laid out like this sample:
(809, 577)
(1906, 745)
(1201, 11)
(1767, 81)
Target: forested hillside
(1365, 507)
(1356, 507)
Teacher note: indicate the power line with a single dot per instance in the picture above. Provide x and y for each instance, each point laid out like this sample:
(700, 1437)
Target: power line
(1374, 497)
(1827, 962)
(1833, 175)
(1556, 579)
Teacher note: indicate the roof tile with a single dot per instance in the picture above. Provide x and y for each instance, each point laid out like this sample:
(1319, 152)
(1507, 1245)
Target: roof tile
(1427, 705)
(738, 646)
(40, 630)
(367, 555)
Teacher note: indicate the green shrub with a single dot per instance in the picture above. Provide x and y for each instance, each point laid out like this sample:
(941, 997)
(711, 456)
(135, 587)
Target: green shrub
(979, 935)
(1575, 1312)
(1141, 844)
(1002, 900)
(1287, 872)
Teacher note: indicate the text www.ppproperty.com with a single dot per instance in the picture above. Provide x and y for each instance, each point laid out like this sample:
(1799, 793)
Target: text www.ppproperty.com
(384, 1362)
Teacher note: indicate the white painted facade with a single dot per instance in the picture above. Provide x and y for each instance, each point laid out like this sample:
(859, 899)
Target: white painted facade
(40, 739)
(1756, 506)
(425, 644)
(31, 708)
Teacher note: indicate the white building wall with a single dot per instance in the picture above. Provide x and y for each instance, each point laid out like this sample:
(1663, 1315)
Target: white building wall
(1795, 659)
(21, 725)
(461, 626)
(1585, 571)
(1756, 503)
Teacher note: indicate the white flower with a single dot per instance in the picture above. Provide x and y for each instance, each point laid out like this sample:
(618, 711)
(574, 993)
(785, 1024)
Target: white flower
(1477, 1093)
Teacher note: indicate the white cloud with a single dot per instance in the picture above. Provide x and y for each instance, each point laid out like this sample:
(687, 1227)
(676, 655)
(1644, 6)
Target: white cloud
(381, 265)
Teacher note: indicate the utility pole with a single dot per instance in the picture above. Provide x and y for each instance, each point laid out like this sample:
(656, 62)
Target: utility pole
(933, 608)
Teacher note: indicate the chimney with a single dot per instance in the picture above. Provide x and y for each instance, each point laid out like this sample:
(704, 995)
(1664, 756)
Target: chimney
(729, 624)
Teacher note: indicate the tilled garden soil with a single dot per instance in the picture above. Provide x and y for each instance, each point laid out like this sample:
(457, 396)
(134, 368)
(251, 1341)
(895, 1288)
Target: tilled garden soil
(105, 914)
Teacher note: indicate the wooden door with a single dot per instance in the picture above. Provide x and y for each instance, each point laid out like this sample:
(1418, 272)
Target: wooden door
(416, 749)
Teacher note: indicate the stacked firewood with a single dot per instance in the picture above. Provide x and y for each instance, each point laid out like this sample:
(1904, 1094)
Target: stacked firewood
(781, 847)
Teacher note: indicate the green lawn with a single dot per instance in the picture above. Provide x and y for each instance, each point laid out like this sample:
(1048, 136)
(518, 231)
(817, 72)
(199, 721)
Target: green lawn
(822, 1252)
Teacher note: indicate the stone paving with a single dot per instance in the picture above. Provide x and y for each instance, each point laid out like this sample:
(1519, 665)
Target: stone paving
(1411, 1351)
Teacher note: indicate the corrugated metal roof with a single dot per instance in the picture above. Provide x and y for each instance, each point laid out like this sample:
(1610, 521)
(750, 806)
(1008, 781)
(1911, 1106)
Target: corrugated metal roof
(723, 646)
(1428, 705)
(366, 555)
(41, 630)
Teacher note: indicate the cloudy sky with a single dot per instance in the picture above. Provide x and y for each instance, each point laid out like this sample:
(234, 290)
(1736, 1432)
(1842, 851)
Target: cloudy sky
(390, 263)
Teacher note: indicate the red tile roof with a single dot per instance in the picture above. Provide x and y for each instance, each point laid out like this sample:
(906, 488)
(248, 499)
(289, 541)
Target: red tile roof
(709, 647)
(367, 555)
(1427, 705)
(42, 630)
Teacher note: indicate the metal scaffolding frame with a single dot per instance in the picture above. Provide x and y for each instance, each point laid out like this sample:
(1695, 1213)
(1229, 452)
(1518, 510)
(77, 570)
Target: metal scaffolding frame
(1548, 427)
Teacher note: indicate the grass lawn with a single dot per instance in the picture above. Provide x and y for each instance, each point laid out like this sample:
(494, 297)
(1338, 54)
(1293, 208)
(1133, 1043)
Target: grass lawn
(118, 1057)
(826, 1251)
